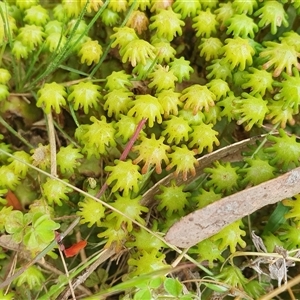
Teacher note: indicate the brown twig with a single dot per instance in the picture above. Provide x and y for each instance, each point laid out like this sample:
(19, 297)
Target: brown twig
(106, 254)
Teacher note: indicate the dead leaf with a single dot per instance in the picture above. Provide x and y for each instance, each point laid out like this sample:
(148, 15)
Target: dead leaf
(277, 267)
(13, 201)
(209, 220)
(258, 243)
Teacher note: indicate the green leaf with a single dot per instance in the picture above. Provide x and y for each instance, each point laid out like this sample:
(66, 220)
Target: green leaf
(44, 228)
(173, 287)
(27, 219)
(217, 288)
(155, 283)
(32, 277)
(132, 283)
(14, 222)
(38, 217)
(100, 276)
(40, 233)
(144, 294)
(31, 240)
(92, 280)
(276, 219)
(55, 289)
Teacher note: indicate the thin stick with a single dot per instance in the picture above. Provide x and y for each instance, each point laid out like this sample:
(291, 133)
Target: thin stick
(291, 294)
(106, 254)
(51, 134)
(67, 274)
(281, 289)
(12, 268)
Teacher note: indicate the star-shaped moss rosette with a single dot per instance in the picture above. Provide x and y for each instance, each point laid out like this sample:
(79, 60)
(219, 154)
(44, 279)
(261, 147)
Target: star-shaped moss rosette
(199, 75)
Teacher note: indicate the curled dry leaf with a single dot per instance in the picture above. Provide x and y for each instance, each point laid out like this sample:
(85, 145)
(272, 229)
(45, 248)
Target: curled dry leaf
(75, 249)
(277, 266)
(13, 201)
(209, 220)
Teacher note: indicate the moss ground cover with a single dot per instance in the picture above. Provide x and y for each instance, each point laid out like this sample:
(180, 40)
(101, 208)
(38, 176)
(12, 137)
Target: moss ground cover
(99, 101)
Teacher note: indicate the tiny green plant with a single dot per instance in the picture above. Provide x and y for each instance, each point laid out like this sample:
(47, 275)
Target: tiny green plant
(120, 118)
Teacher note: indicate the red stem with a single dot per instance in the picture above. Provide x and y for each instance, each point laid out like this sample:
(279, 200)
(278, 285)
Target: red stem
(133, 139)
(125, 152)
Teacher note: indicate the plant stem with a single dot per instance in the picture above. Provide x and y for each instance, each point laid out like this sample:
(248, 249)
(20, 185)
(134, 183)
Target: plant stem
(125, 152)
(51, 133)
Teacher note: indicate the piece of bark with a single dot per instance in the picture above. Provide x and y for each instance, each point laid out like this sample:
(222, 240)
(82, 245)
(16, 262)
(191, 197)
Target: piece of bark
(205, 222)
